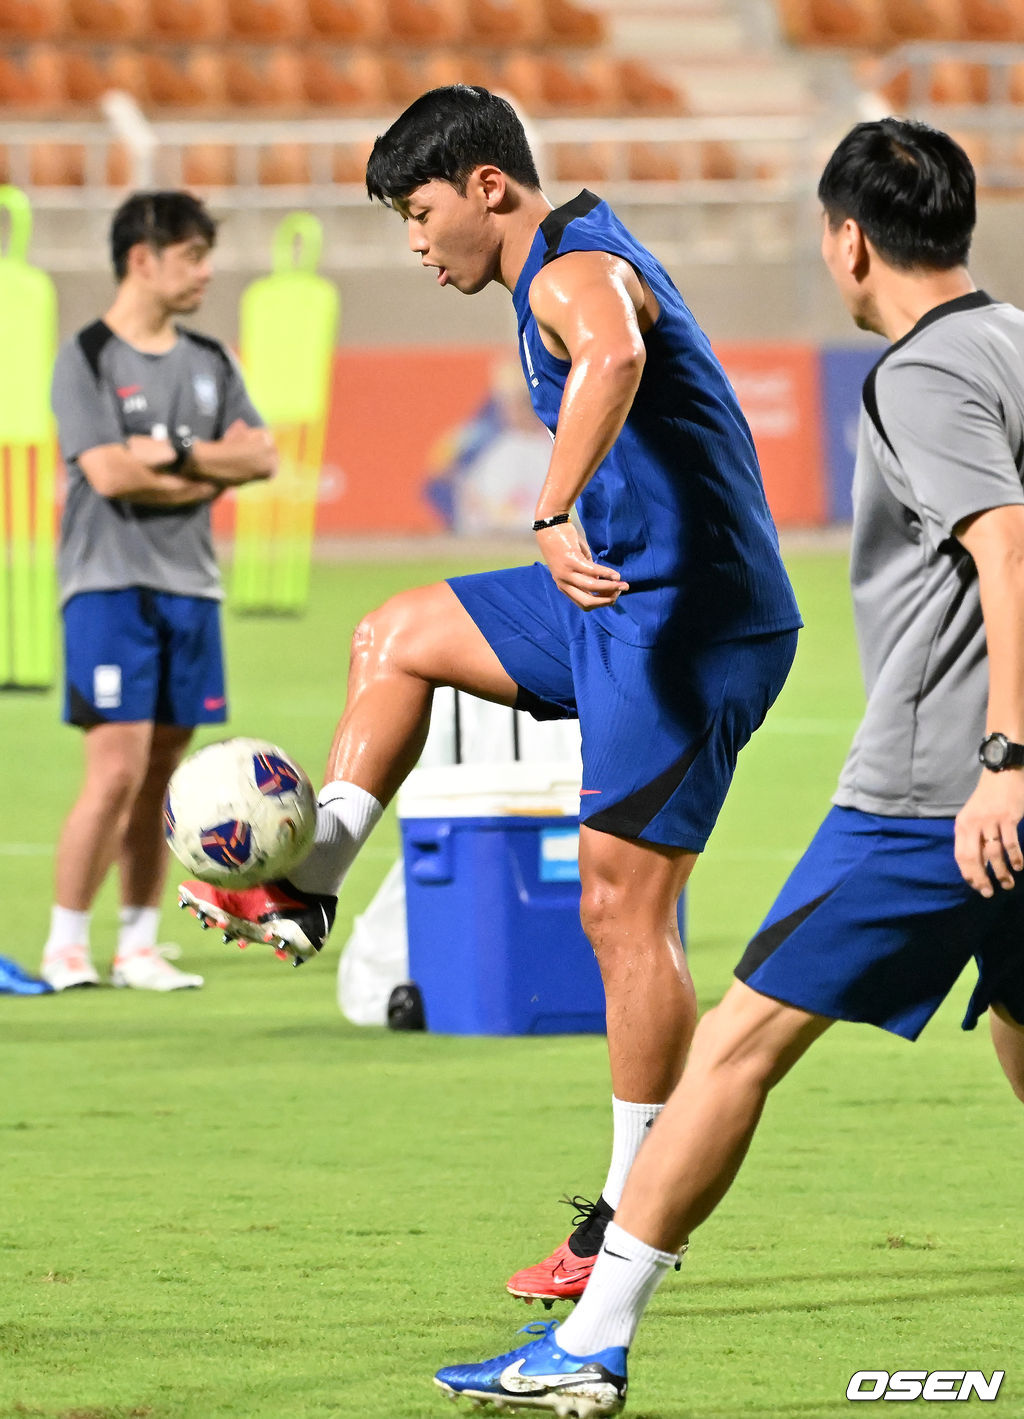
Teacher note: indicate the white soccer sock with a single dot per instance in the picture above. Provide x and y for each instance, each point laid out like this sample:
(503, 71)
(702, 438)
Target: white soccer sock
(346, 816)
(625, 1277)
(67, 928)
(630, 1123)
(138, 928)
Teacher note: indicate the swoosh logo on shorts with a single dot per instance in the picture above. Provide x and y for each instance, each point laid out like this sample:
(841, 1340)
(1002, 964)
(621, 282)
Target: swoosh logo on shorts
(213, 702)
(589, 790)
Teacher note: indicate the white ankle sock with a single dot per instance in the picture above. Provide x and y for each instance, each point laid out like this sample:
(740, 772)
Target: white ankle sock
(625, 1277)
(138, 929)
(346, 816)
(631, 1123)
(67, 928)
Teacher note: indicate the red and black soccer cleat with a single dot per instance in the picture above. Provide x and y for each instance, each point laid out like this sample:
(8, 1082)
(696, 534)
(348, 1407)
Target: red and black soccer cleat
(563, 1275)
(295, 923)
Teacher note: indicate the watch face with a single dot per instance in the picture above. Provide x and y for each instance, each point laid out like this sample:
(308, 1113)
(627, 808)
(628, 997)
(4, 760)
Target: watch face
(993, 751)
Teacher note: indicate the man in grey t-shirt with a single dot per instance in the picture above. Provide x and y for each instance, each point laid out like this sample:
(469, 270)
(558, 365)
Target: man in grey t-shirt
(153, 422)
(917, 867)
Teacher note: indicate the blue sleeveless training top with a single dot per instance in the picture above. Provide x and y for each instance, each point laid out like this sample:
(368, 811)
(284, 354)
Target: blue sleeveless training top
(677, 505)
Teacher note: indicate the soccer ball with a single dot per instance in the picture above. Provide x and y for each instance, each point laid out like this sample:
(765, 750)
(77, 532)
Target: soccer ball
(239, 812)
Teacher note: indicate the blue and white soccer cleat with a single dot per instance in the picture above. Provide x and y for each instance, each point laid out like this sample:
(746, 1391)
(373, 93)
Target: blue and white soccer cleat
(541, 1376)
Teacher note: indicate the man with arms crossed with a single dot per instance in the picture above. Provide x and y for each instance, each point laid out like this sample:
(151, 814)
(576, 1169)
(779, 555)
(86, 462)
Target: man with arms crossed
(668, 627)
(913, 871)
(153, 422)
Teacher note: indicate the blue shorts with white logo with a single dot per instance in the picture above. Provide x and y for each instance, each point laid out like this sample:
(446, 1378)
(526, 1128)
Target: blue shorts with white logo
(140, 655)
(661, 725)
(875, 924)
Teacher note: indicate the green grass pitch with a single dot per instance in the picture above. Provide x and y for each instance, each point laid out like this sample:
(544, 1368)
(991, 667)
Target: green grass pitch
(233, 1203)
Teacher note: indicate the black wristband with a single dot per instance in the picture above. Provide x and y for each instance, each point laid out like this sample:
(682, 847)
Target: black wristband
(182, 445)
(555, 521)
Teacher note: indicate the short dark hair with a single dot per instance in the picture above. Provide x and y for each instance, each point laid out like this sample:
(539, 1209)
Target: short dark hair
(445, 134)
(910, 189)
(160, 219)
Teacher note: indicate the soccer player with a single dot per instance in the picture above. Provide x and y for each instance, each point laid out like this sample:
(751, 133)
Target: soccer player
(914, 871)
(153, 422)
(667, 625)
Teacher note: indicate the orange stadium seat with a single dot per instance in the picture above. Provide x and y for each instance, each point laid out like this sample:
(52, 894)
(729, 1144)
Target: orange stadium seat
(31, 19)
(57, 165)
(544, 86)
(267, 20)
(91, 72)
(345, 21)
(271, 78)
(718, 162)
(957, 81)
(31, 78)
(424, 21)
(406, 76)
(856, 22)
(922, 19)
(643, 90)
(285, 165)
(997, 21)
(652, 162)
(187, 19)
(186, 78)
(348, 162)
(119, 171)
(978, 149)
(347, 80)
(209, 165)
(1015, 84)
(589, 164)
(506, 22)
(945, 82)
(456, 66)
(106, 19)
(568, 23)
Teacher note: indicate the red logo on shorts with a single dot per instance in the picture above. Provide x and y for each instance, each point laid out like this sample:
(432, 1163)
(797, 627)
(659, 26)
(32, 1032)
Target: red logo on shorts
(214, 702)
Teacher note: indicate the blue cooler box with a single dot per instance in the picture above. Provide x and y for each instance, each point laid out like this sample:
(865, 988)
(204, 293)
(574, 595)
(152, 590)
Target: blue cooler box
(492, 900)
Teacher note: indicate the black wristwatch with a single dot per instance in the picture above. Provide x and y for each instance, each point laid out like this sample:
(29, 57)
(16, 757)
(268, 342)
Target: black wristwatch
(182, 445)
(997, 752)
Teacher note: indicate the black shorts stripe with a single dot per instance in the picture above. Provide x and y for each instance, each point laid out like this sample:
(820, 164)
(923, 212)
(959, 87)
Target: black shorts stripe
(629, 817)
(772, 937)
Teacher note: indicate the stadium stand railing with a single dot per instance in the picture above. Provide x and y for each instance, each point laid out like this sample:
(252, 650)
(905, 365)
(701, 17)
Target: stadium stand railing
(695, 171)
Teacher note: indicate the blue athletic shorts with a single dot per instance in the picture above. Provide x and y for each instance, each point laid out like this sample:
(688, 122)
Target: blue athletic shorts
(136, 654)
(875, 924)
(661, 726)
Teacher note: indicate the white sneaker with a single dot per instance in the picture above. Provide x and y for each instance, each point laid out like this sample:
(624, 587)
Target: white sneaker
(150, 969)
(68, 968)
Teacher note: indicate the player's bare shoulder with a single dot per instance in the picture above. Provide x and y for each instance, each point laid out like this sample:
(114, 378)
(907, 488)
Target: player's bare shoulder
(587, 292)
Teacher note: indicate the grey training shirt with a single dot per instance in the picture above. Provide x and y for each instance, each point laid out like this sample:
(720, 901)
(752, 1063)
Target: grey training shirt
(105, 390)
(941, 437)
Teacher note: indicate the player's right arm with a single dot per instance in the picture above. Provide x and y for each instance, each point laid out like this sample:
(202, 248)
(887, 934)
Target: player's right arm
(588, 306)
(988, 825)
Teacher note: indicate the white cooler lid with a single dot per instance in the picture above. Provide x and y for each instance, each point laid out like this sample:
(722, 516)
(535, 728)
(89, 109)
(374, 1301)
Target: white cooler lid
(515, 790)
